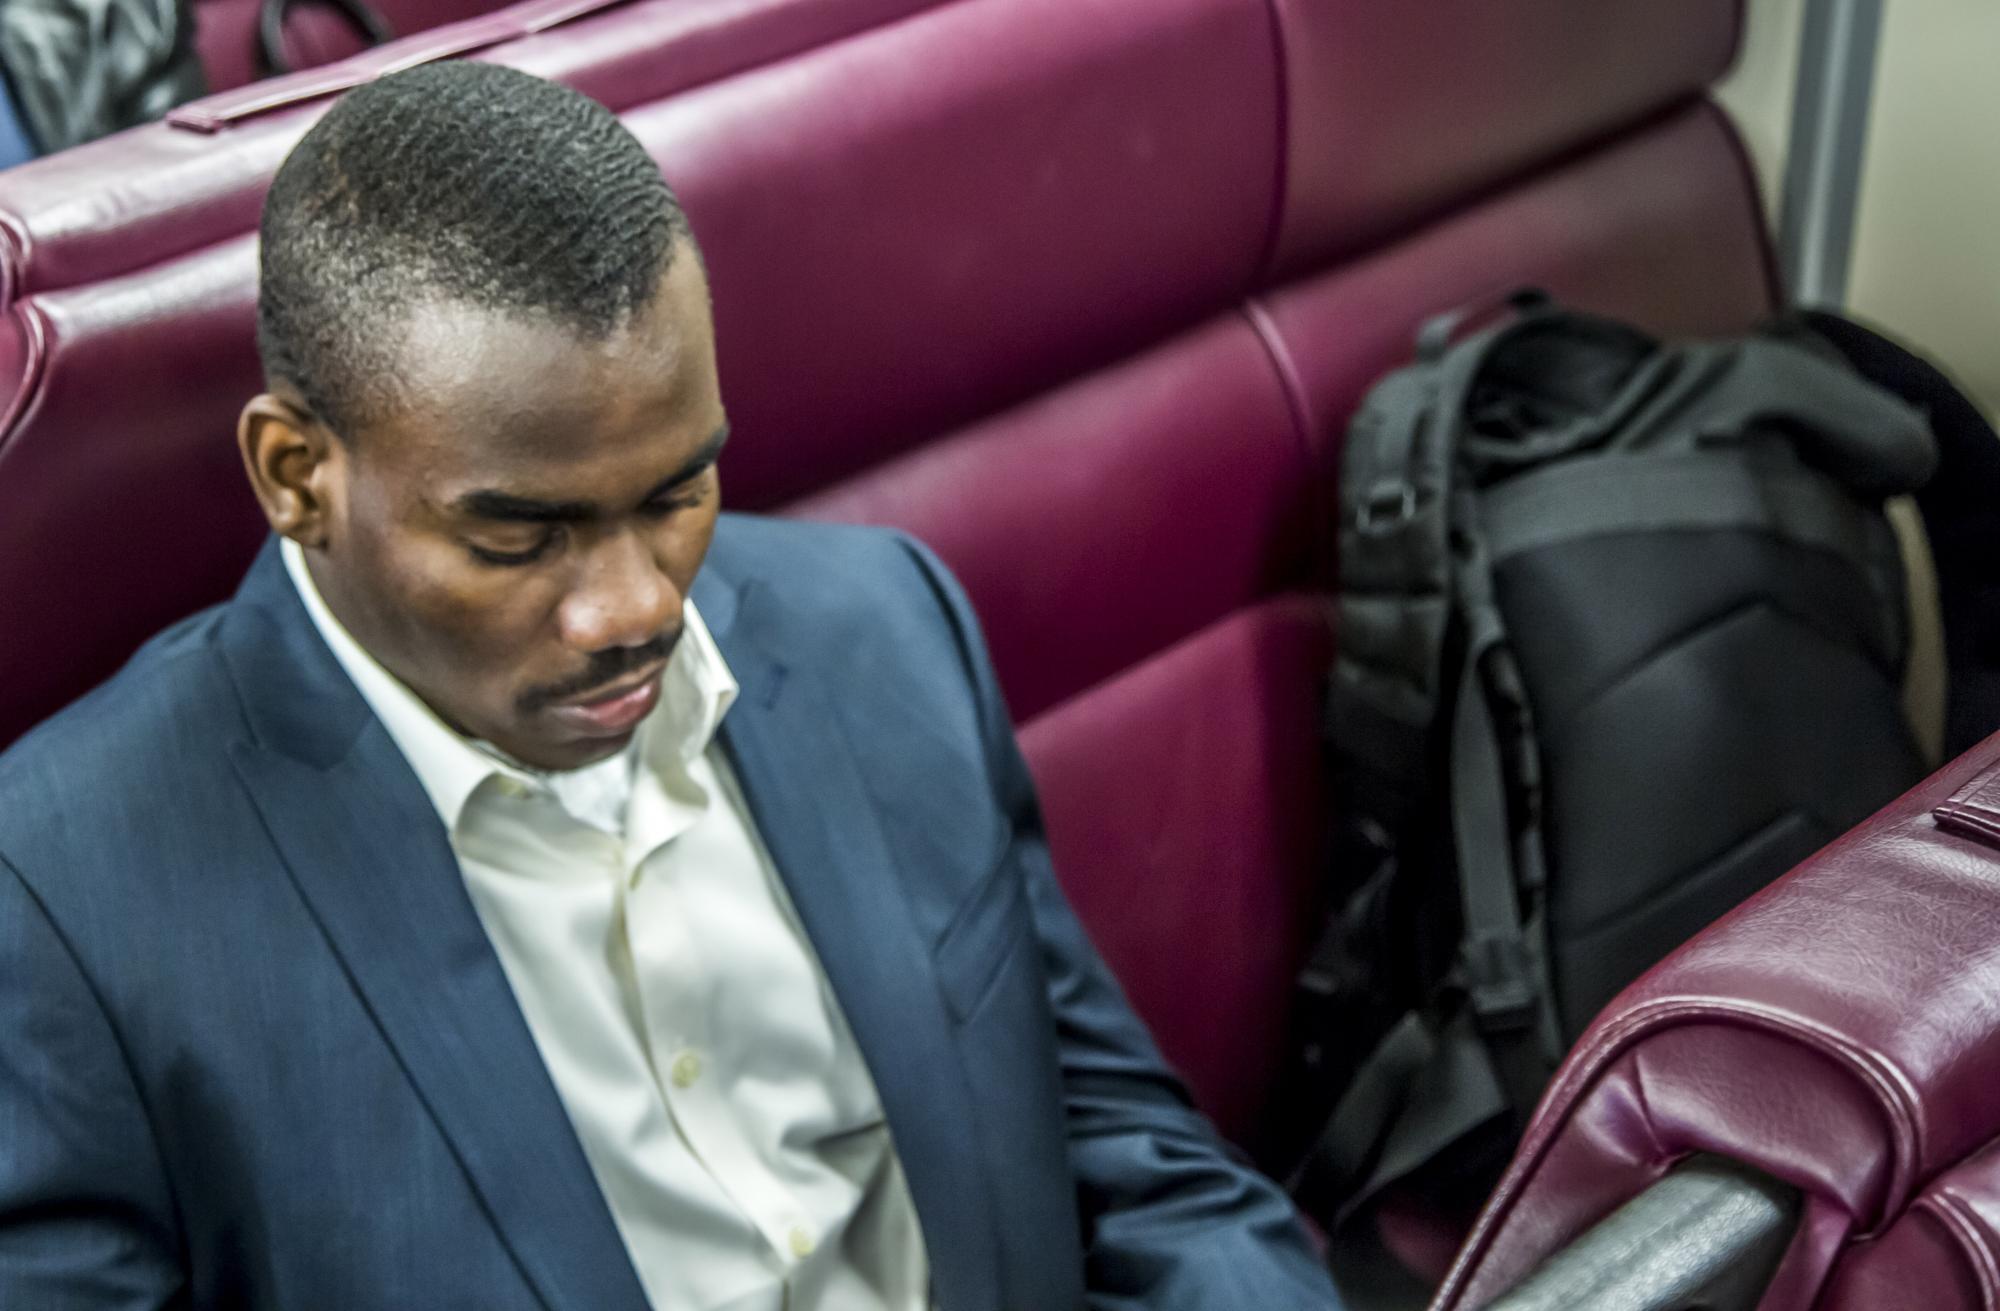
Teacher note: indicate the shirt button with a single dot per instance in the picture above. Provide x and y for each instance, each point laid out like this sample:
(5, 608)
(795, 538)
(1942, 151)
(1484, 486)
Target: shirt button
(512, 787)
(801, 1240)
(687, 1068)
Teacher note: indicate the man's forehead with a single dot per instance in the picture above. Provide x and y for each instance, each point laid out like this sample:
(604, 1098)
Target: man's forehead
(453, 347)
(457, 344)
(478, 385)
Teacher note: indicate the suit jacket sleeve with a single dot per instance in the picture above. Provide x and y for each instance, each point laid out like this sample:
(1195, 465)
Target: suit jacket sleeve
(1172, 1222)
(85, 1216)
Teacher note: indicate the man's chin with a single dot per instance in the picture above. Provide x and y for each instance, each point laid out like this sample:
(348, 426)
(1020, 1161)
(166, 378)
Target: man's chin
(551, 754)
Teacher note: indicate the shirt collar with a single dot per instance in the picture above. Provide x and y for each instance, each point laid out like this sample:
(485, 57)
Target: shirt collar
(697, 691)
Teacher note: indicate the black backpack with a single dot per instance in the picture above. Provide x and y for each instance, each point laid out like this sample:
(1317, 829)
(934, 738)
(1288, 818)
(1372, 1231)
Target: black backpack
(1622, 633)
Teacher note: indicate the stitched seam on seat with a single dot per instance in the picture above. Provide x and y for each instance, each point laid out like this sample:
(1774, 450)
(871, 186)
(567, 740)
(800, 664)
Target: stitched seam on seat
(1281, 171)
(35, 333)
(1773, 277)
(1319, 482)
(20, 246)
(1952, 1212)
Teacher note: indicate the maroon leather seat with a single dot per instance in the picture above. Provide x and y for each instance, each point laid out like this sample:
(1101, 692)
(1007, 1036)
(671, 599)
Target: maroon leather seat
(1080, 294)
(1841, 1033)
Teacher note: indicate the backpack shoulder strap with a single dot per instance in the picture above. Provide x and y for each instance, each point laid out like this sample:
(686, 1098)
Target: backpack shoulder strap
(1398, 470)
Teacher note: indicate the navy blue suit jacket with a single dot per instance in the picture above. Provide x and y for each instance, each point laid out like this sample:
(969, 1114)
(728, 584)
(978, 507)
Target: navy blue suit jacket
(256, 1051)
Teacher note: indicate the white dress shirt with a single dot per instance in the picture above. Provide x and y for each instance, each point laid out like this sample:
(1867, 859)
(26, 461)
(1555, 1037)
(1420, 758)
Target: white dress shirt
(682, 1013)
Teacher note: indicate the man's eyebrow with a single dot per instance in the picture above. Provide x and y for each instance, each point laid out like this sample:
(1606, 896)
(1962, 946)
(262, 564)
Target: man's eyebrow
(696, 465)
(507, 507)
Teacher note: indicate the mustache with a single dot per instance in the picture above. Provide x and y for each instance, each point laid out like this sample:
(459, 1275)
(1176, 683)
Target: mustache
(605, 667)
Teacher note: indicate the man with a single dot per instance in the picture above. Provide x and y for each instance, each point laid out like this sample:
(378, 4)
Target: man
(534, 890)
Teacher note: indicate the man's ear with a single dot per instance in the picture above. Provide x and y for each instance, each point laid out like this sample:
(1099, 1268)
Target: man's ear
(291, 461)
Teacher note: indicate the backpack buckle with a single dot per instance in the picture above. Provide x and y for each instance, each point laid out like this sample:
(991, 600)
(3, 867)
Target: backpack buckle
(1388, 505)
(1499, 982)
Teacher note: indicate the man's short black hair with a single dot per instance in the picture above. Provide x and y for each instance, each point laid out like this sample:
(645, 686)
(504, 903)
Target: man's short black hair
(457, 182)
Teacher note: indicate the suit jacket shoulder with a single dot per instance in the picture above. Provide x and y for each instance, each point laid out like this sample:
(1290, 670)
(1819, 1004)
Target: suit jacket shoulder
(873, 617)
(874, 590)
(143, 740)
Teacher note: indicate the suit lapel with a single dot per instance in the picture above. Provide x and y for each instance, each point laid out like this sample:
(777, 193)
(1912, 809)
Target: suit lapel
(802, 780)
(370, 857)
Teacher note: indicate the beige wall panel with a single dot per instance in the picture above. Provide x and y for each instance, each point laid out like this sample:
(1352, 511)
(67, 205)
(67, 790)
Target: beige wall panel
(1927, 232)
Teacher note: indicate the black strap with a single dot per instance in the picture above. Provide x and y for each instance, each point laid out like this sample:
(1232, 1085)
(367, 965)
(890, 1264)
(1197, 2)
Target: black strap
(1423, 1089)
(1397, 478)
(1500, 967)
(1347, 1149)
(1456, 1093)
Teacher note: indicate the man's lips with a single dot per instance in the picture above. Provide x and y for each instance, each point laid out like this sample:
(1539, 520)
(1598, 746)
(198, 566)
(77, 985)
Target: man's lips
(611, 711)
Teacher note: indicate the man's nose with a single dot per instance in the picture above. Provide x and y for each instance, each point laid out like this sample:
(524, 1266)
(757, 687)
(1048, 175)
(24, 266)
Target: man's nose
(621, 598)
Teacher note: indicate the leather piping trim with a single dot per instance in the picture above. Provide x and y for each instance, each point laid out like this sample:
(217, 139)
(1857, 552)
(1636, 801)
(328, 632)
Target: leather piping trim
(17, 248)
(35, 338)
(1320, 482)
(1973, 811)
(1951, 1211)
(1281, 166)
(1962, 819)
(1894, 1090)
(1775, 295)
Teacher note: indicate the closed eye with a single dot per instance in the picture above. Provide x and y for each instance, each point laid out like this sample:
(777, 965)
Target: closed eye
(512, 559)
